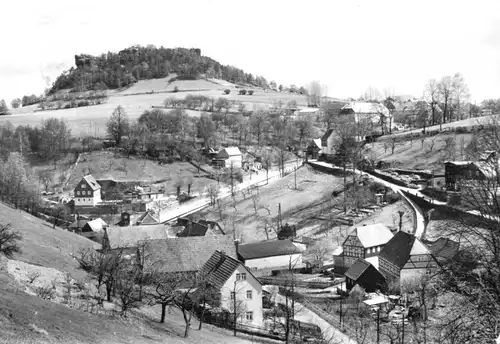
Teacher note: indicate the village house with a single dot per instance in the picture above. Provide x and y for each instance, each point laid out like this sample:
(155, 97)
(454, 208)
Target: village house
(227, 157)
(147, 218)
(129, 237)
(405, 258)
(328, 142)
(90, 229)
(376, 115)
(87, 192)
(363, 242)
(365, 275)
(313, 149)
(198, 228)
(458, 172)
(263, 257)
(184, 255)
(239, 289)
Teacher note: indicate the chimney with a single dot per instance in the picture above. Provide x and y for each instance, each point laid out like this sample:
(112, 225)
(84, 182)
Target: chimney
(236, 243)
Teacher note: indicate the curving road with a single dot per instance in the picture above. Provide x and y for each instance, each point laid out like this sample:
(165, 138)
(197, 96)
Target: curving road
(420, 222)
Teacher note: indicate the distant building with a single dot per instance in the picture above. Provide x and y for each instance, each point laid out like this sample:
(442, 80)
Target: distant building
(237, 285)
(405, 257)
(146, 219)
(276, 254)
(199, 228)
(87, 192)
(313, 149)
(376, 115)
(328, 142)
(364, 242)
(228, 156)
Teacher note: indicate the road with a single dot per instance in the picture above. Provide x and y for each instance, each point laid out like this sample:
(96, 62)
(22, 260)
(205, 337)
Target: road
(203, 200)
(420, 222)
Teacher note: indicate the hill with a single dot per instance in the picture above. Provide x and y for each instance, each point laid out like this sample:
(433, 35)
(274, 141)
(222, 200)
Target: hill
(116, 70)
(43, 245)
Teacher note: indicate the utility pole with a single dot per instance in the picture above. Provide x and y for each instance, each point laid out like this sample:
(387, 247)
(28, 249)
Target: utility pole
(341, 327)
(403, 333)
(378, 324)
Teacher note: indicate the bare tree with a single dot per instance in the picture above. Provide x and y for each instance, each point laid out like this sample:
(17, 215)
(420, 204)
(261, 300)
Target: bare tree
(9, 241)
(446, 92)
(449, 148)
(46, 178)
(393, 141)
(431, 144)
(432, 95)
(213, 191)
(267, 161)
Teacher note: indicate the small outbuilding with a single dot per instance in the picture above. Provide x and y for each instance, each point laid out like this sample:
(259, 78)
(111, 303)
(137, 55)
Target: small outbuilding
(365, 275)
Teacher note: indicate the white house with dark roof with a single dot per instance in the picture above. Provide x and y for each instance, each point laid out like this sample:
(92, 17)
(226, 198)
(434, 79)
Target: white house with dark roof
(87, 192)
(239, 289)
(277, 254)
(228, 156)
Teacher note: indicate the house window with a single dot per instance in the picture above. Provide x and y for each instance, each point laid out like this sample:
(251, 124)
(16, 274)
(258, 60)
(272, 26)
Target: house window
(78, 193)
(232, 295)
(249, 315)
(249, 294)
(84, 186)
(241, 277)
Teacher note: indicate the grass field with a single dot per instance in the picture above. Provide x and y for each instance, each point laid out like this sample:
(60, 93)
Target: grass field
(414, 155)
(312, 188)
(108, 165)
(92, 120)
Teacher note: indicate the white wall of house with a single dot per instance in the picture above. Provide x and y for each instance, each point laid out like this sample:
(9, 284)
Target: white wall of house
(329, 149)
(88, 200)
(235, 159)
(408, 274)
(274, 261)
(248, 294)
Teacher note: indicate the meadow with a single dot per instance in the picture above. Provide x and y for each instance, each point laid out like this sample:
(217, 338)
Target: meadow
(91, 120)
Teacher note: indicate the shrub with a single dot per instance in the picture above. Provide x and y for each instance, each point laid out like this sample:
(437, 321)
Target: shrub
(227, 91)
(9, 241)
(83, 103)
(242, 92)
(67, 106)
(46, 292)
(250, 92)
(176, 89)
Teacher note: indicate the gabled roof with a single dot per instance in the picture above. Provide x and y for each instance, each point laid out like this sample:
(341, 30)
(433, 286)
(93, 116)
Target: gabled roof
(97, 225)
(267, 249)
(317, 142)
(399, 249)
(327, 135)
(357, 269)
(367, 108)
(130, 236)
(443, 248)
(220, 267)
(231, 151)
(373, 235)
(193, 229)
(94, 185)
(185, 254)
(147, 219)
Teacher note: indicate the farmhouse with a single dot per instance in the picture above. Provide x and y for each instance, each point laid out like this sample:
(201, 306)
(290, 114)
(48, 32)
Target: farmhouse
(363, 242)
(95, 226)
(365, 275)
(374, 114)
(313, 149)
(187, 254)
(328, 142)
(458, 171)
(237, 286)
(228, 156)
(199, 228)
(87, 192)
(277, 254)
(405, 257)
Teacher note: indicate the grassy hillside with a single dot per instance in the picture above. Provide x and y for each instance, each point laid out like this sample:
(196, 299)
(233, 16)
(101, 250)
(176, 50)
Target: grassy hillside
(91, 120)
(104, 165)
(43, 245)
(415, 155)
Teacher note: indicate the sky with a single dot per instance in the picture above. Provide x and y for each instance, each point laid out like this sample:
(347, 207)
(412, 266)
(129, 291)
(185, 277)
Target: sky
(347, 45)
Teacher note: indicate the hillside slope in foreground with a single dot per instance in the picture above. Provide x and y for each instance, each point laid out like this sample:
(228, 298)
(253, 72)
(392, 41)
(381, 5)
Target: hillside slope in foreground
(26, 318)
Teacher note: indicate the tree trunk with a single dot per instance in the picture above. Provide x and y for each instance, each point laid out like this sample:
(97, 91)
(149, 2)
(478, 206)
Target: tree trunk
(108, 291)
(163, 311)
(202, 315)
(187, 320)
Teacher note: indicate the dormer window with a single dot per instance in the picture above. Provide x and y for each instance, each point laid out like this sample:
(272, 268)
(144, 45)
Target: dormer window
(84, 186)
